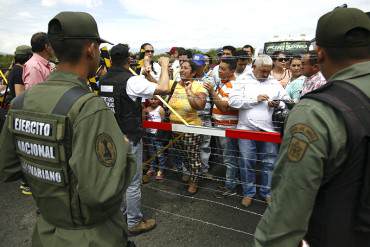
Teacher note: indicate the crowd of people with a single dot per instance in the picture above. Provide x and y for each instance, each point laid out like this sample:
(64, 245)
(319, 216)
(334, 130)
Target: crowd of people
(238, 89)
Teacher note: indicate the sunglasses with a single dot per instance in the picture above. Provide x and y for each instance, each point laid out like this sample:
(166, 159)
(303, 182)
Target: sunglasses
(281, 59)
(149, 51)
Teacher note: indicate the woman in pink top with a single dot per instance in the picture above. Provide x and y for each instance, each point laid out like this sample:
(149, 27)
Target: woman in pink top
(279, 71)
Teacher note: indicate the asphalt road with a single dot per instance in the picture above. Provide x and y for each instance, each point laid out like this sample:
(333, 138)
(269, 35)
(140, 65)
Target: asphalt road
(202, 220)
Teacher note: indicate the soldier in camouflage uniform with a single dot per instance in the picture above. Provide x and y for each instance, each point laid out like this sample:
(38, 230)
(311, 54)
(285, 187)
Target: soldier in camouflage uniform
(66, 143)
(321, 184)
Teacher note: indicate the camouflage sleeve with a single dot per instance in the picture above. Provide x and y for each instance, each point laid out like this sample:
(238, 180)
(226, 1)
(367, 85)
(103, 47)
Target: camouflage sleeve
(100, 159)
(10, 168)
(310, 130)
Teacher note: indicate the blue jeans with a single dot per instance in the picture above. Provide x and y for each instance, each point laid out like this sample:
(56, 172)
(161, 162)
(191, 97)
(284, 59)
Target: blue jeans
(131, 205)
(251, 151)
(154, 146)
(231, 160)
(205, 146)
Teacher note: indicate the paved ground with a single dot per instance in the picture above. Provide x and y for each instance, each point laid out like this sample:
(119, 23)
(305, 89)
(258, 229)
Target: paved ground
(182, 221)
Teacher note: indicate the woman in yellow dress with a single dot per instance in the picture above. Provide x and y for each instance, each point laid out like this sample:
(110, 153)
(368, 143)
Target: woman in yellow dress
(188, 97)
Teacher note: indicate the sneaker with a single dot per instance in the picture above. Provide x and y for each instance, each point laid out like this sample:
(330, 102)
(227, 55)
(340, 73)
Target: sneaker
(246, 201)
(192, 189)
(159, 176)
(141, 227)
(224, 192)
(22, 185)
(25, 189)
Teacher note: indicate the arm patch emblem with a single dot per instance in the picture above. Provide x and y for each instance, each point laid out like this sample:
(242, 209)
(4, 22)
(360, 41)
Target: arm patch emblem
(296, 150)
(105, 150)
(304, 130)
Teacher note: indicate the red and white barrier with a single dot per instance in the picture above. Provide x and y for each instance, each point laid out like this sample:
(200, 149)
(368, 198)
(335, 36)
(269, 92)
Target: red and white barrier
(231, 133)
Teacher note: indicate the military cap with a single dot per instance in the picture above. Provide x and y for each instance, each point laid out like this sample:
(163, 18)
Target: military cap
(333, 26)
(119, 50)
(23, 50)
(74, 25)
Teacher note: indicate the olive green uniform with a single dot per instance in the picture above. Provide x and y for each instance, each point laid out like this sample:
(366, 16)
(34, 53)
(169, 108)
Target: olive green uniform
(313, 148)
(81, 207)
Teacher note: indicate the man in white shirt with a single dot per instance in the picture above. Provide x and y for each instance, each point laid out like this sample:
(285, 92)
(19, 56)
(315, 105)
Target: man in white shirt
(250, 51)
(127, 91)
(225, 117)
(256, 95)
(242, 64)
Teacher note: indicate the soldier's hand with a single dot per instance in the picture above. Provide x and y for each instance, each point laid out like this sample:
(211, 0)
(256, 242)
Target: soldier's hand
(262, 97)
(164, 61)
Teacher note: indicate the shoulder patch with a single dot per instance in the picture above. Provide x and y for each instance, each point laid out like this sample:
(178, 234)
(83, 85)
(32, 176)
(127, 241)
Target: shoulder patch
(105, 150)
(305, 130)
(296, 150)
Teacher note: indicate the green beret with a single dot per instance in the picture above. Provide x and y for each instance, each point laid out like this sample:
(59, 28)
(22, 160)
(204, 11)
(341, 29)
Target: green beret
(74, 25)
(23, 50)
(333, 26)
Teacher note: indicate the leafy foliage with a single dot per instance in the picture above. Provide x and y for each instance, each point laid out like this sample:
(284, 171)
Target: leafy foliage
(5, 61)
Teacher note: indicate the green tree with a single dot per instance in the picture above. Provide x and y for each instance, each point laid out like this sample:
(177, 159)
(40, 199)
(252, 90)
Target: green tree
(5, 61)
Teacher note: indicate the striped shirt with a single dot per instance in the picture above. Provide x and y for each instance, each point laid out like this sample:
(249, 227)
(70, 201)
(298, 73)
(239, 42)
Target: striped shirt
(228, 118)
(313, 82)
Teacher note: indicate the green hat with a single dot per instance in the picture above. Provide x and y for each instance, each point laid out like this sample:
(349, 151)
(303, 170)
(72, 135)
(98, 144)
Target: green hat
(74, 25)
(23, 50)
(333, 26)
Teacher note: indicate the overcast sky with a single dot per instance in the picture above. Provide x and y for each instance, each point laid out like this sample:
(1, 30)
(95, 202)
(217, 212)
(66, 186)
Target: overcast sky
(167, 23)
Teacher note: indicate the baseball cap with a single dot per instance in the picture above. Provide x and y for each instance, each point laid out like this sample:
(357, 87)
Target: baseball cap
(219, 52)
(199, 59)
(119, 50)
(23, 50)
(74, 25)
(333, 26)
(172, 50)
